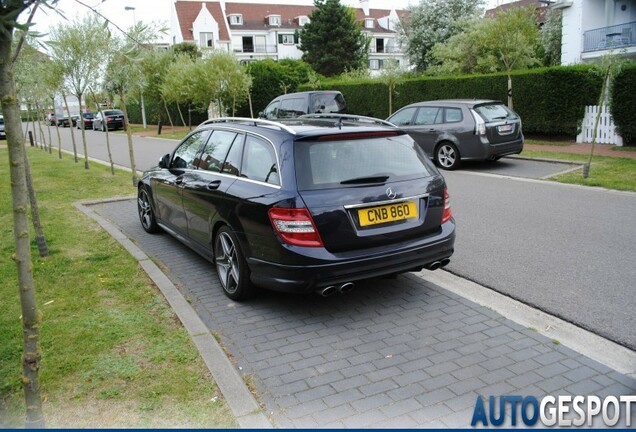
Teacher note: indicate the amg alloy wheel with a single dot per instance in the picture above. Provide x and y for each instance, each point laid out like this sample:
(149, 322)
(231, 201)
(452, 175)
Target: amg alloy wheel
(146, 215)
(231, 267)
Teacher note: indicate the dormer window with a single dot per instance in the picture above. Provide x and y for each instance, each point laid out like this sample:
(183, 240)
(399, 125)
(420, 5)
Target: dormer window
(206, 40)
(302, 20)
(274, 20)
(369, 23)
(235, 19)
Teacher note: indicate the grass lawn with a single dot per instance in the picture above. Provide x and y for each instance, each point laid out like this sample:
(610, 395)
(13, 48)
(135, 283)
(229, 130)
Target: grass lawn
(608, 172)
(113, 352)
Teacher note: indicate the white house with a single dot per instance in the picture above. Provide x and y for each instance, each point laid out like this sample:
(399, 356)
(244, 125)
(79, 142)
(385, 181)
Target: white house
(254, 30)
(594, 28)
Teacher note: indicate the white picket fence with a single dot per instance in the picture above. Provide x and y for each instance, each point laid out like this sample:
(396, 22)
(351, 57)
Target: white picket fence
(606, 133)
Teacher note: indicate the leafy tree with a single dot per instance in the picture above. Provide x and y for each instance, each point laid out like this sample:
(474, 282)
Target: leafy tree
(551, 37)
(10, 10)
(79, 50)
(187, 48)
(432, 22)
(177, 83)
(332, 42)
(501, 44)
(124, 75)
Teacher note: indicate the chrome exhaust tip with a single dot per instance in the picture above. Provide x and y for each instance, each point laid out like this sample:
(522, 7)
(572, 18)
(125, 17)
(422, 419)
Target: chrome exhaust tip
(433, 266)
(346, 287)
(327, 291)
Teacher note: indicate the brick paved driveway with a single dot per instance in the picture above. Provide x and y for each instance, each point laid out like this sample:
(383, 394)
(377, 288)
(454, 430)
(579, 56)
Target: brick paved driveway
(394, 353)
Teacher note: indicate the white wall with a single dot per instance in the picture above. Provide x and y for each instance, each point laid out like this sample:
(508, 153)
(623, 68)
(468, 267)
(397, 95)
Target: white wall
(175, 31)
(205, 23)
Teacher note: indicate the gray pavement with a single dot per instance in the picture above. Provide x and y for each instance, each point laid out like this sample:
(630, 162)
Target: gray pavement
(394, 353)
(518, 167)
(566, 250)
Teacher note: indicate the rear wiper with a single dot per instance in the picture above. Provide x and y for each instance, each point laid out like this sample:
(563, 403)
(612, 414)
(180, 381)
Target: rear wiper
(500, 117)
(361, 180)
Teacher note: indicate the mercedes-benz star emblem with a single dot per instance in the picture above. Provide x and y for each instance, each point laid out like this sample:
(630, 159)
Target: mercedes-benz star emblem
(390, 193)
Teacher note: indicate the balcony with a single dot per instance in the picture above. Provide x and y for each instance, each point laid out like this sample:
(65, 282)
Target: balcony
(256, 49)
(610, 38)
(385, 50)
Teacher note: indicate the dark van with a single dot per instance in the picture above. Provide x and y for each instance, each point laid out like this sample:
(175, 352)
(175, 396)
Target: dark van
(311, 102)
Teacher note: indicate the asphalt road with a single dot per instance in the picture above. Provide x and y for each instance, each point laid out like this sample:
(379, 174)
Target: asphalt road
(569, 251)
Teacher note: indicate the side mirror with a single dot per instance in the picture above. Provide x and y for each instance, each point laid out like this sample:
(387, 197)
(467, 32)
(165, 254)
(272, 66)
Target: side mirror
(164, 161)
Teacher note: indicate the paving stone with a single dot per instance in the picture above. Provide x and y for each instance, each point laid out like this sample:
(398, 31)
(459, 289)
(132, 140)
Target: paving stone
(441, 368)
(436, 396)
(371, 402)
(525, 379)
(586, 387)
(332, 414)
(553, 384)
(468, 372)
(552, 370)
(305, 409)
(497, 375)
(580, 373)
(363, 420)
(459, 419)
(314, 393)
(406, 392)
(351, 383)
(343, 397)
(464, 386)
(471, 359)
(400, 408)
(378, 387)
(430, 413)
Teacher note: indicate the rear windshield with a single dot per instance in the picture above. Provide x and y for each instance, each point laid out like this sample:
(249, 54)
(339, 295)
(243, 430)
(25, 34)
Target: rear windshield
(113, 113)
(326, 164)
(1, 120)
(89, 115)
(494, 112)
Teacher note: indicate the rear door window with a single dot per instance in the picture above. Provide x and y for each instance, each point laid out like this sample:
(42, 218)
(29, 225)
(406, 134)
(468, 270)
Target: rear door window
(428, 116)
(292, 107)
(494, 112)
(326, 164)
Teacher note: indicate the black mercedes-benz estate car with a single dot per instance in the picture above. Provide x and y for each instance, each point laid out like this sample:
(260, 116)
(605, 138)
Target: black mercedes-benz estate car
(315, 204)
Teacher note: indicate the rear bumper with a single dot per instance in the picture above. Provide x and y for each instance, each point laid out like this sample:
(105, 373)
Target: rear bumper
(322, 273)
(505, 149)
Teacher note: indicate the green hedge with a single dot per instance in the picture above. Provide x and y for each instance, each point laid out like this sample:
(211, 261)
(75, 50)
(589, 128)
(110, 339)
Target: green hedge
(155, 111)
(623, 103)
(550, 101)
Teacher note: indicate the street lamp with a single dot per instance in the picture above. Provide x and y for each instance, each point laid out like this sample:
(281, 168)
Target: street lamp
(143, 107)
(131, 8)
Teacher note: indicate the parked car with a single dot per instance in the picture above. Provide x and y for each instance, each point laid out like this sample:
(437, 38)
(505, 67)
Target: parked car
(50, 118)
(292, 105)
(450, 131)
(88, 121)
(311, 205)
(3, 134)
(64, 121)
(111, 119)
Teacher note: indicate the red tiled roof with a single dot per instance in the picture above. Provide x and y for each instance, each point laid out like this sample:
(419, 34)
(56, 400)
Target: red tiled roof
(187, 12)
(254, 16)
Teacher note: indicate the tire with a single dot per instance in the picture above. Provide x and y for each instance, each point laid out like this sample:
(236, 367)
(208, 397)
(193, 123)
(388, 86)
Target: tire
(447, 156)
(146, 214)
(231, 267)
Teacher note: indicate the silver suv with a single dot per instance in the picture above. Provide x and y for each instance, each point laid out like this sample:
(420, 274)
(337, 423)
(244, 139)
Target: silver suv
(453, 130)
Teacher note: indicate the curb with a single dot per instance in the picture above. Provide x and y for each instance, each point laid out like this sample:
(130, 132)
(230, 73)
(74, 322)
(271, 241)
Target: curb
(242, 403)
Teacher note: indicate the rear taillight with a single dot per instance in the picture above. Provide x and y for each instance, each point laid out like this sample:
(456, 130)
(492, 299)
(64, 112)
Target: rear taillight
(480, 124)
(295, 226)
(447, 213)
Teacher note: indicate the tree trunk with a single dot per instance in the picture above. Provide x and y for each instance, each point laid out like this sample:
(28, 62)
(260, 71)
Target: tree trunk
(70, 125)
(509, 91)
(212, 111)
(39, 117)
(165, 105)
(131, 151)
(110, 155)
(40, 239)
(601, 99)
(59, 137)
(249, 99)
(22, 256)
(181, 114)
(48, 128)
(81, 120)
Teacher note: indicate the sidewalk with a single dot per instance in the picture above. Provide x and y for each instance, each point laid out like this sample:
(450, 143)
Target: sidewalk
(397, 353)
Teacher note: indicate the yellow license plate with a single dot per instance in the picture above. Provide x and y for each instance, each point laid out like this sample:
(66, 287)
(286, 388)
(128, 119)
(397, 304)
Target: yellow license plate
(387, 213)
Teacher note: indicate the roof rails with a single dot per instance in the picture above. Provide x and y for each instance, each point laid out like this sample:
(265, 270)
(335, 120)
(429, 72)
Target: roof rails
(353, 118)
(255, 122)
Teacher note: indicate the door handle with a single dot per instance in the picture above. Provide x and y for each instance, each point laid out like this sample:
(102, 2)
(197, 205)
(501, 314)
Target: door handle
(214, 184)
(431, 130)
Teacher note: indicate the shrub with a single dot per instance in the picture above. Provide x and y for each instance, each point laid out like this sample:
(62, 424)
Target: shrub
(623, 103)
